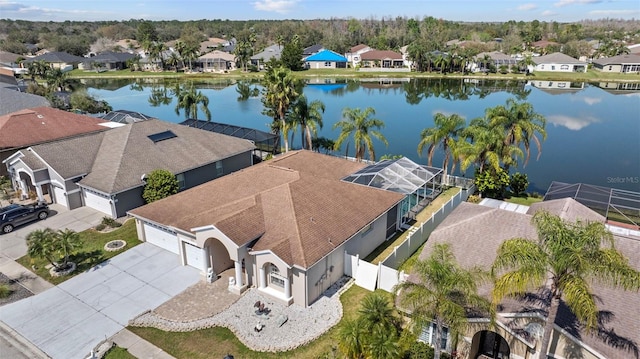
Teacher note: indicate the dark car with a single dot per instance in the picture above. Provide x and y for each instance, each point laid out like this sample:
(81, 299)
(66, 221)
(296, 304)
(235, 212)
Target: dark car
(16, 214)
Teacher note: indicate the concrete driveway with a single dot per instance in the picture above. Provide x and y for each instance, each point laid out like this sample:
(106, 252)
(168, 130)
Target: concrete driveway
(69, 320)
(14, 246)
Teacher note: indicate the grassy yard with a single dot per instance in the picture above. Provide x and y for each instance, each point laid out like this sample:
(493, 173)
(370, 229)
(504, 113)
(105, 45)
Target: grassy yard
(526, 201)
(90, 254)
(385, 249)
(118, 353)
(217, 342)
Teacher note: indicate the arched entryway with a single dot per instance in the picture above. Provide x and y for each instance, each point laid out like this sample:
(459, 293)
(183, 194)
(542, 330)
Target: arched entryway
(489, 345)
(217, 256)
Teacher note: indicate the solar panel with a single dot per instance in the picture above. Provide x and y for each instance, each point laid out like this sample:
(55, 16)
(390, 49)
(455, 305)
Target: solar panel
(161, 136)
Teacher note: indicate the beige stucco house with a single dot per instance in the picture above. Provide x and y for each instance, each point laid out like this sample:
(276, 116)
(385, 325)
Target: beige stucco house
(626, 64)
(559, 62)
(284, 225)
(475, 232)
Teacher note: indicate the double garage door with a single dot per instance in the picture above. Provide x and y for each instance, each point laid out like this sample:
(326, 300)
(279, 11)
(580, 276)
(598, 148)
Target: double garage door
(168, 240)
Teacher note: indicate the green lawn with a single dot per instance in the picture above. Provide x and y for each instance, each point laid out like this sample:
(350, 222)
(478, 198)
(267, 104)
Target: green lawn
(91, 253)
(118, 353)
(217, 342)
(526, 201)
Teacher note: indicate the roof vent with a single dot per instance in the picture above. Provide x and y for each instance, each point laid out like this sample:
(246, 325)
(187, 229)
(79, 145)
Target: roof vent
(161, 136)
(40, 116)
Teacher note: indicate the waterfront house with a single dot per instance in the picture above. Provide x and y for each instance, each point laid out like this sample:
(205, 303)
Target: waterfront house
(326, 59)
(217, 61)
(382, 59)
(626, 64)
(353, 55)
(271, 52)
(559, 62)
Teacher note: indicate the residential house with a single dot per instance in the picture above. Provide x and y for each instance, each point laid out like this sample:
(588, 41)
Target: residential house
(57, 60)
(634, 49)
(284, 225)
(382, 59)
(475, 232)
(311, 50)
(405, 56)
(9, 61)
(107, 170)
(107, 61)
(483, 61)
(212, 43)
(626, 64)
(326, 59)
(217, 61)
(271, 52)
(30, 127)
(353, 56)
(12, 100)
(559, 62)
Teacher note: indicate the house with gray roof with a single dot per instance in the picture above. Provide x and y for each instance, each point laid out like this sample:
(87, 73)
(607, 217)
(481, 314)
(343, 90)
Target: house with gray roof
(271, 52)
(108, 60)
(107, 170)
(559, 62)
(57, 60)
(475, 232)
(626, 64)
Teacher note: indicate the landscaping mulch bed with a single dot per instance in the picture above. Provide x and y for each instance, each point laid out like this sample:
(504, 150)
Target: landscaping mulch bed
(17, 291)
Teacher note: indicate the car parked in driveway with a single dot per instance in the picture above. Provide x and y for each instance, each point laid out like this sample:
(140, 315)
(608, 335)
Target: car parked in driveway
(15, 215)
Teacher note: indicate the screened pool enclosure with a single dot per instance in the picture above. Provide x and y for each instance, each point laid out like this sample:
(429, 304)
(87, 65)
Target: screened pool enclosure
(420, 184)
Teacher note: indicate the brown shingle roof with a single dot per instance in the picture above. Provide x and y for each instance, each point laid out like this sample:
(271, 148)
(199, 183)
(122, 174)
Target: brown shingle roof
(358, 48)
(381, 55)
(297, 204)
(43, 124)
(475, 233)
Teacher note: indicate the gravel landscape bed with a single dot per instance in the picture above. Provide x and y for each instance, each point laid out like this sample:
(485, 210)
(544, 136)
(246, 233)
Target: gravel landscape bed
(17, 290)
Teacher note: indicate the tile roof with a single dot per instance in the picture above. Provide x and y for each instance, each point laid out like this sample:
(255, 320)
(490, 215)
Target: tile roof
(475, 233)
(381, 55)
(327, 55)
(556, 58)
(43, 124)
(295, 203)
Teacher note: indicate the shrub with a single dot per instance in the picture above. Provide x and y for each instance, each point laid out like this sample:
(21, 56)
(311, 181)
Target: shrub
(518, 183)
(101, 227)
(5, 291)
(108, 221)
(421, 350)
(159, 184)
(474, 198)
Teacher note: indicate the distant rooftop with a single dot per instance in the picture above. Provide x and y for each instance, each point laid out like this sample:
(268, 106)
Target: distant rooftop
(124, 116)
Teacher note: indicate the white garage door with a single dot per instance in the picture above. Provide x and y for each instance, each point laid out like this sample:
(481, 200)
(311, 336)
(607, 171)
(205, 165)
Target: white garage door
(161, 238)
(60, 197)
(195, 256)
(96, 201)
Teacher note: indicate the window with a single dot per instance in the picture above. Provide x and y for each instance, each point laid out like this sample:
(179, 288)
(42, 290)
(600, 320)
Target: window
(327, 64)
(181, 182)
(564, 67)
(553, 67)
(367, 229)
(275, 278)
(428, 335)
(219, 169)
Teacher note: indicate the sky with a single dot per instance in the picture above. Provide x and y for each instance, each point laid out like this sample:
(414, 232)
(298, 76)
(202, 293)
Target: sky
(454, 10)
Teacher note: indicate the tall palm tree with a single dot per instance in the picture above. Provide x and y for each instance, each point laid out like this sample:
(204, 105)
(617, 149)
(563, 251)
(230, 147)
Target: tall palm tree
(56, 79)
(189, 99)
(484, 146)
(444, 134)
(279, 93)
(309, 117)
(443, 294)
(358, 123)
(40, 244)
(520, 125)
(567, 257)
(67, 241)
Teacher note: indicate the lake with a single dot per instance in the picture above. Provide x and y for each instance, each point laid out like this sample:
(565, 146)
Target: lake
(593, 130)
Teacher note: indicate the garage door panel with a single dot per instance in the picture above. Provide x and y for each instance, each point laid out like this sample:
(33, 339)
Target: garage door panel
(60, 197)
(97, 202)
(195, 256)
(162, 239)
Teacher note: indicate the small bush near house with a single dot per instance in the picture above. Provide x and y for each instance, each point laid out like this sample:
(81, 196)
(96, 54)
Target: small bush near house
(108, 221)
(474, 198)
(101, 227)
(518, 183)
(421, 350)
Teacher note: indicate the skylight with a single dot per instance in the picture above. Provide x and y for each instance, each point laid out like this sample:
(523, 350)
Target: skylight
(161, 136)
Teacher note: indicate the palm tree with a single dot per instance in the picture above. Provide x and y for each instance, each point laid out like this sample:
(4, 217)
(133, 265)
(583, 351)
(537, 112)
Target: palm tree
(67, 241)
(189, 99)
(520, 125)
(56, 79)
(566, 257)
(40, 244)
(242, 54)
(484, 146)
(279, 93)
(350, 336)
(309, 117)
(357, 122)
(444, 134)
(443, 294)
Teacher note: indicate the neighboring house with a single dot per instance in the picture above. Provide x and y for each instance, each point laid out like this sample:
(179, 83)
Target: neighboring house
(559, 62)
(405, 56)
(382, 59)
(108, 60)
(496, 58)
(57, 60)
(542, 45)
(271, 52)
(311, 50)
(107, 170)
(9, 61)
(12, 100)
(634, 49)
(211, 44)
(284, 225)
(217, 61)
(30, 127)
(475, 232)
(353, 56)
(326, 59)
(627, 64)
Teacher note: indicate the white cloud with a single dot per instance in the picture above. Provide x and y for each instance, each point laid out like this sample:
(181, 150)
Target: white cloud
(548, 13)
(591, 100)
(527, 7)
(562, 3)
(614, 13)
(572, 123)
(279, 6)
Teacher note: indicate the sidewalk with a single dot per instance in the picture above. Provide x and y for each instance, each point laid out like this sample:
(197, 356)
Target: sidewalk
(25, 277)
(138, 347)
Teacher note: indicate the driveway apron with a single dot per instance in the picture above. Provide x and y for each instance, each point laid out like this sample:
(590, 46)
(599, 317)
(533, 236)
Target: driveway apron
(69, 320)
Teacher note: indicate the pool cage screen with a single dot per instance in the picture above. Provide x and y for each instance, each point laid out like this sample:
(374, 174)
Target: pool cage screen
(615, 204)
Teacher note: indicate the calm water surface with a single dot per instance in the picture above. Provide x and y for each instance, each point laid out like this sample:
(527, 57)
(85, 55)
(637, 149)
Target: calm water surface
(593, 134)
